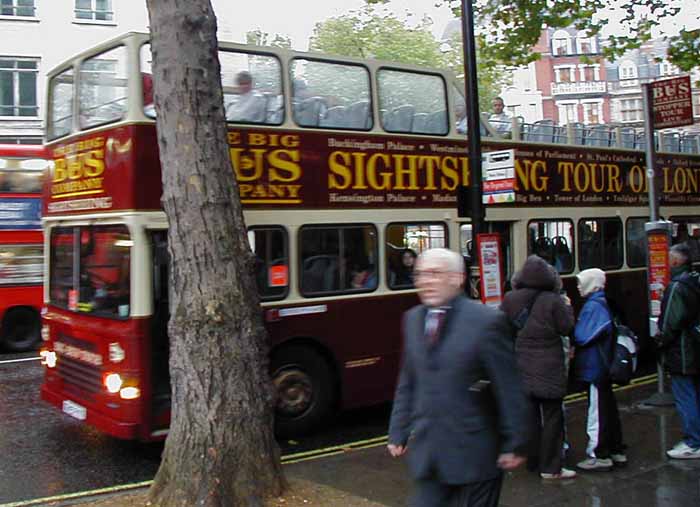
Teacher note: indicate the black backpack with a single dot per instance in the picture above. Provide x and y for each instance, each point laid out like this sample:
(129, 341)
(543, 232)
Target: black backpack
(625, 349)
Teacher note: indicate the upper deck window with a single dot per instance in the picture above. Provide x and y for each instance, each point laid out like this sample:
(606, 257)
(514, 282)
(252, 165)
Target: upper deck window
(252, 85)
(94, 10)
(412, 102)
(331, 95)
(103, 88)
(60, 104)
(19, 8)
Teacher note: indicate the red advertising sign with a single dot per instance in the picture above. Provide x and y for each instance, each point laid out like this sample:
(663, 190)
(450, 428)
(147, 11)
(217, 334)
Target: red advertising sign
(489, 247)
(659, 271)
(672, 102)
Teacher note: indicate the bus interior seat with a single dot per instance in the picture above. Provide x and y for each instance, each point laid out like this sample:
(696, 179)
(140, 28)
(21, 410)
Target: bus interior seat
(307, 113)
(358, 115)
(690, 143)
(542, 131)
(335, 117)
(543, 248)
(577, 131)
(627, 137)
(320, 273)
(671, 142)
(399, 119)
(436, 122)
(274, 107)
(597, 135)
(563, 259)
(419, 122)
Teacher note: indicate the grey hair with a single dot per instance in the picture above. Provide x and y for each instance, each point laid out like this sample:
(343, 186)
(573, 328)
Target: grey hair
(681, 250)
(452, 260)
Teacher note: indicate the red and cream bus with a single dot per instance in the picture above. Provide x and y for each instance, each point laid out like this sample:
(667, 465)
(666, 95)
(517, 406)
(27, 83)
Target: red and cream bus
(21, 246)
(346, 169)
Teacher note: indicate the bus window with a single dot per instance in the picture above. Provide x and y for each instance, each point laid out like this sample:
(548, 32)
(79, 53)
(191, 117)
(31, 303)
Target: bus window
(98, 280)
(466, 243)
(403, 243)
(21, 264)
(414, 102)
(338, 259)
(102, 88)
(600, 243)
(331, 95)
(60, 117)
(687, 230)
(252, 85)
(635, 241)
(270, 246)
(553, 240)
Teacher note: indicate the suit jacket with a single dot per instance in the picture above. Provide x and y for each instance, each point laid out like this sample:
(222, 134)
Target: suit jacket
(453, 421)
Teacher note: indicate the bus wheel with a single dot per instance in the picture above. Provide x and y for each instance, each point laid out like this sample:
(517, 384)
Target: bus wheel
(305, 390)
(21, 330)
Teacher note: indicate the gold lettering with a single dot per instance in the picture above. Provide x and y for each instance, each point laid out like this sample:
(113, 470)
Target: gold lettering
(340, 176)
(285, 161)
(374, 160)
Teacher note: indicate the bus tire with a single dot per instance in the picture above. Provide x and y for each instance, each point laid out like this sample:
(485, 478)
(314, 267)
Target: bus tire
(305, 388)
(21, 329)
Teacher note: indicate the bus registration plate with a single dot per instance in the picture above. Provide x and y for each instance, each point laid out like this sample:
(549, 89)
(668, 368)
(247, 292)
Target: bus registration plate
(74, 410)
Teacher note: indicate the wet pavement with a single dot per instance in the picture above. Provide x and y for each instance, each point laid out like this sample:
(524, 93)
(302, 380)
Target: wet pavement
(649, 480)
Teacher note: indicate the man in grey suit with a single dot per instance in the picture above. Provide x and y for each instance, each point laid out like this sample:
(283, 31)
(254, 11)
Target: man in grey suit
(459, 411)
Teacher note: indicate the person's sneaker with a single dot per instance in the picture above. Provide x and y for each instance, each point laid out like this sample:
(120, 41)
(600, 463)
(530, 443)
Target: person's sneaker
(565, 473)
(596, 465)
(619, 460)
(683, 451)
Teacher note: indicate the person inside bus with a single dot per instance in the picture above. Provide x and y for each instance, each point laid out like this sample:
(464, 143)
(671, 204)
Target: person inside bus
(499, 119)
(250, 105)
(363, 277)
(461, 117)
(402, 276)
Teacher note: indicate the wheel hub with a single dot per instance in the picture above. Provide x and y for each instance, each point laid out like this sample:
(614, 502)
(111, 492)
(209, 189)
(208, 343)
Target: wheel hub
(294, 392)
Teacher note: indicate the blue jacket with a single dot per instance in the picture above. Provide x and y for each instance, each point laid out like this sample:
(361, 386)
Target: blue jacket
(593, 338)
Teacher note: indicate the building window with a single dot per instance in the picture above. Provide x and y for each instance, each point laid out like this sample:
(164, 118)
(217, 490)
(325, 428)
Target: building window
(568, 113)
(628, 70)
(18, 87)
(564, 74)
(585, 44)
(561, 43)
(94, 10)
(592, 113)
(631, 110)
(20, 8)
(667, 69)
(696, 104)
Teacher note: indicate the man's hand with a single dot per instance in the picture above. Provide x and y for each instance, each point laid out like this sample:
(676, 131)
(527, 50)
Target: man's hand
(397, 450)
(510, 461)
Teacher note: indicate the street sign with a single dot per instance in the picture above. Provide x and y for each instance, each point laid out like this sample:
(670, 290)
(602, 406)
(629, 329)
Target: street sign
(672, 102)
(498, 175)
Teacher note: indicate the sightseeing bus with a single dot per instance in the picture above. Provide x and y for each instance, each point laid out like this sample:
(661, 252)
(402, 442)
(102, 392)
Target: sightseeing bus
(347, 168)
(21, 246)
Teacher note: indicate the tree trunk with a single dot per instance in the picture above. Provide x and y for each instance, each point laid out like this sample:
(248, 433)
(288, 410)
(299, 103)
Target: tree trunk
(220, 450)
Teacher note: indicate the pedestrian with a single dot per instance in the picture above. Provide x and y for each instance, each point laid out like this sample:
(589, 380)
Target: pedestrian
(594, 340)
(679, 342)
(541, 359)
(459, 411)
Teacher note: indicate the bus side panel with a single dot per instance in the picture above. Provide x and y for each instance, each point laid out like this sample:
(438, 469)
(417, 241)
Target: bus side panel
(366, 347)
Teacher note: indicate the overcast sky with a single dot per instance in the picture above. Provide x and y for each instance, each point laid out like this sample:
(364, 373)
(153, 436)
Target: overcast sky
(297, 19)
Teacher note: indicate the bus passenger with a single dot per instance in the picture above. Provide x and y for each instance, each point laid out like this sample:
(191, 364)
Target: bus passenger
(402, 276)
(250, 105)
(499, 119)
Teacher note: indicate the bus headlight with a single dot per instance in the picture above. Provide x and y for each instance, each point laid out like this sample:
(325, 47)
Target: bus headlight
(130, 393)
(45, 332)
(113, 382)
(48, 358)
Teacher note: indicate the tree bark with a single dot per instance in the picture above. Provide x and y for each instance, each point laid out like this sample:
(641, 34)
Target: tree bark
(220, 450)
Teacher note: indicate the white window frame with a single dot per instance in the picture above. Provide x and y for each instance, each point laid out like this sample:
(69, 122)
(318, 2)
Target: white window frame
(15, 86)
(629, 106)
(666, 68)
(94, 11)
(563, 107)
(588, 105)
(628, 70)
(570, 68)
(19, 17)
(558, 37)
(582, 37)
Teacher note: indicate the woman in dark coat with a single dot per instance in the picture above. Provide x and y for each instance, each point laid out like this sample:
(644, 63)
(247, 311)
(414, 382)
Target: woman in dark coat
(540, 356)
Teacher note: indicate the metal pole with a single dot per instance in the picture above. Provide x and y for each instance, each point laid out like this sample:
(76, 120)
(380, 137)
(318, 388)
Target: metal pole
(475, 209)
(650, 153)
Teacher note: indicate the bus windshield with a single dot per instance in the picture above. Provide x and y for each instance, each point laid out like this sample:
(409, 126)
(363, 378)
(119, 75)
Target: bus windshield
(90, 269)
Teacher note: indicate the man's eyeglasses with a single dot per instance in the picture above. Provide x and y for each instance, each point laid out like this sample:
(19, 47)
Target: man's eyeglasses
(430, 273)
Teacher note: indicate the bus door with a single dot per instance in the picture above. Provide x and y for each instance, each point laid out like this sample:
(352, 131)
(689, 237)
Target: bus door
(160, 343)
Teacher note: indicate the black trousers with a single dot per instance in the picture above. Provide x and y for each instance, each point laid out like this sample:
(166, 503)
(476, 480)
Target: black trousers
(430, 492)
(545, 452)
(603, 422)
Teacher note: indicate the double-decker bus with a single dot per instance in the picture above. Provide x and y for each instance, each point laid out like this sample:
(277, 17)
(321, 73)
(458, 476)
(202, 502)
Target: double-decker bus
(21, 246)
(347, 168)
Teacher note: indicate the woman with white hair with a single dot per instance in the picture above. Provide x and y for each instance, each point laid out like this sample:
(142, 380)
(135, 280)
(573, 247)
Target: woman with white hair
(594, 339)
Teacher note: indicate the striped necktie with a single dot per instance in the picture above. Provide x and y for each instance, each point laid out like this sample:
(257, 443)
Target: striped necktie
(433, 325)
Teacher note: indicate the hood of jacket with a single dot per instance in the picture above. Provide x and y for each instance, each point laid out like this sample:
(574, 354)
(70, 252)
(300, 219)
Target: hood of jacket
(537, 273)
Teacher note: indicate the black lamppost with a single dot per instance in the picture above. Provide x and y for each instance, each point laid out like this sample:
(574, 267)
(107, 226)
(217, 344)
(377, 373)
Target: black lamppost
(469, 200)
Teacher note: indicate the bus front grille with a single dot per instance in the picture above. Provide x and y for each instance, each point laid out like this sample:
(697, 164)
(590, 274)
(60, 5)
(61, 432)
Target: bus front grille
(80, 375)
